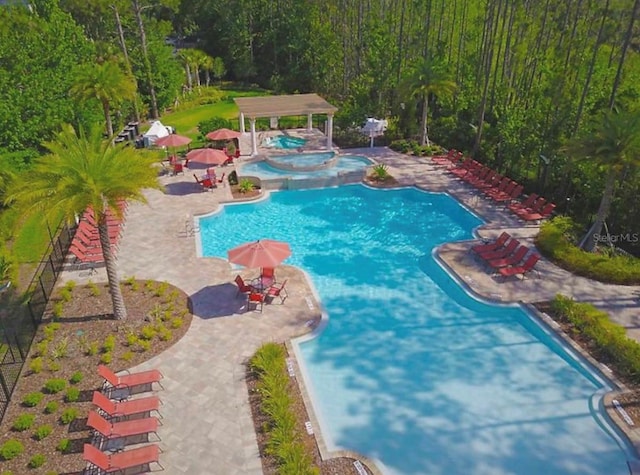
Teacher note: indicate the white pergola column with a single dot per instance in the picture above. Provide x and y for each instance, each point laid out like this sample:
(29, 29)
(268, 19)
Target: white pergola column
(242, 122)
(309, 122)
(330, 131)
(254, 143)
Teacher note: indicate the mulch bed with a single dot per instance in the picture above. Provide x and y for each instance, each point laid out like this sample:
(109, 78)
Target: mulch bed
(629, 400)
(334, 466)
(389, 182)
(87, 321)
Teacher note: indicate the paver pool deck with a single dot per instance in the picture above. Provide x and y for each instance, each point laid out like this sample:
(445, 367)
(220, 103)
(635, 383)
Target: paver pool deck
(207, 427)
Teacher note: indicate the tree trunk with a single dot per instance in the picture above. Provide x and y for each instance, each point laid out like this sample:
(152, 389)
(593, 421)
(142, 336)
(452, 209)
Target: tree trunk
(107, 118)
(188, 72)
(589, 240)
(123, 45)
(623, 53)
(145, 54)
(424, 139)
(119, 309)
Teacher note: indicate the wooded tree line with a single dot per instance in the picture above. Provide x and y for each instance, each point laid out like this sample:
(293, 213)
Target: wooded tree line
(528, 76)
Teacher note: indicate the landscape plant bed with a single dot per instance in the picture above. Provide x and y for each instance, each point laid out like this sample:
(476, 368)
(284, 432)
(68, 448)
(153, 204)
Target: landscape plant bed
(262, 422)
(629, 400)
(69, 347)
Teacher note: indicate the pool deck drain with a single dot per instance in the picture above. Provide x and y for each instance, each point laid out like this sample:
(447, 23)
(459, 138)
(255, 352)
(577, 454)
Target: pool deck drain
(207, 426)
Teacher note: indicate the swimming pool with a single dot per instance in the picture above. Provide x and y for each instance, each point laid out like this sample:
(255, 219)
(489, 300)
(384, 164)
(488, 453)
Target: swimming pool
(284, 141)
(345, 163)
(410, 370)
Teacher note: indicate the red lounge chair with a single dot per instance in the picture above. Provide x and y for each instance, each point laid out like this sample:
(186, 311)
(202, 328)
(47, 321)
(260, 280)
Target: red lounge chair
(544, 213)
(499, 253)
(128, 380)
(178, 168)
(490, 184)
(278, 291)
(477, 176)
(444, 159)
(492, 246)
(92, 239)
(121, 461)
(113, 409)
(531, 199)
(257, 299)
(92, 231)
(468, 166)
(520, 270)
(82, 257)
(510, 195)
(535, 208)
(497, 187)
(242, 287)
(511, 260)
(115, 430)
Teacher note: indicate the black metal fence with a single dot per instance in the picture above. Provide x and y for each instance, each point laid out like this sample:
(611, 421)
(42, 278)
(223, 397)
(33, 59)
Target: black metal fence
(20, 328)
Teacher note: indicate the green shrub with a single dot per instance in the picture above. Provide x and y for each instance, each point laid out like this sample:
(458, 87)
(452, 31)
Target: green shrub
(148, 332)
(32, 399)
(23, 422)
(150, 286)
(94, 289)
(608, 339)
(70, 285)
(11, 449)
(61, 349)
(127, 356)
(176, 322)
(106, 358)
(42, 432)
(209, 125)
(63, 446)
(109, 344)
(65, 295)
(161, 289)
(93, 348)
(51, 407)
(54, 365)
(37, 460)
(69, 415)
(54, 385)
(76, 377)
(165, 334)
(58, 309)
(41, 348)
(132, 339)
(72, 395)
(144, 345)
(51, 329)
(556, 240)
(129, 281)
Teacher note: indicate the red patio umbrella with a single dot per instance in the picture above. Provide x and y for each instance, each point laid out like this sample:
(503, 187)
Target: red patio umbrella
(223, 134)
(208, 156)
(173, 140)
(261, 253)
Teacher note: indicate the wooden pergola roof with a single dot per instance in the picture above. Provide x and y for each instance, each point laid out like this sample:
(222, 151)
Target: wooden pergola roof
(277, 106)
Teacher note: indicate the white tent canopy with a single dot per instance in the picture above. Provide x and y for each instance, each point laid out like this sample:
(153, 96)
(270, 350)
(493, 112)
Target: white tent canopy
(156, 131)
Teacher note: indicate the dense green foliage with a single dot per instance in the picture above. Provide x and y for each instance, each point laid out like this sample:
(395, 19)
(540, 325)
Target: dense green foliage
(609, 339)
(283, 440)
(557, 241)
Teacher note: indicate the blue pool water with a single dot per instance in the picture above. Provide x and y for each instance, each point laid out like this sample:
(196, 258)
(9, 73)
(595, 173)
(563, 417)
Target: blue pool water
(303, 159)
(410, 370)
(346, 163)
(284, 141)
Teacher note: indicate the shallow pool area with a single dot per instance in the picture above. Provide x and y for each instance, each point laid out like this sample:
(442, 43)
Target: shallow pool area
(284, 142)
(410, 370)
(344, 164)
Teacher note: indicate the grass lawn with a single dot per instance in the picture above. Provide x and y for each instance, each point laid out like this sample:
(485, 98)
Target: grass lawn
(186, 121)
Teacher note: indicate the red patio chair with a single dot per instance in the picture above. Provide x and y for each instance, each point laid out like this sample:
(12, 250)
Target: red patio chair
(127, 381)
(498, 187)
(477, 175)
(257, 299)
(112, 409)
(499, 253)
(531, 199)
(115, 430)
(242, 287)
(511, 260)
(492, 246)
(178, 168)
(535, 208)
(509, 194)
(92, 231)
(444, 159)
(490, 183)
(528, 266)
(206, 183)
(468, 166)
(121, 461)
(277, 291)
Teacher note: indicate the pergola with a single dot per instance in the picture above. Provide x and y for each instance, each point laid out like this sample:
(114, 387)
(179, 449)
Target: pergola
(277, 106)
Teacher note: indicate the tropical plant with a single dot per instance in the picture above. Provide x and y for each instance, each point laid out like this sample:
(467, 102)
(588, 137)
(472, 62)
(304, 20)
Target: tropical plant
(245, 186)
(379, 172)
(107, 83)
(88, 172)
(427, 78)
(612, 144)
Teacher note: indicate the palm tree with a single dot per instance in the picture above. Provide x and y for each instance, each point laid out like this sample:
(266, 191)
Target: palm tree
(107, 83)
(85, 170)
(426, 79)
(613, 144)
